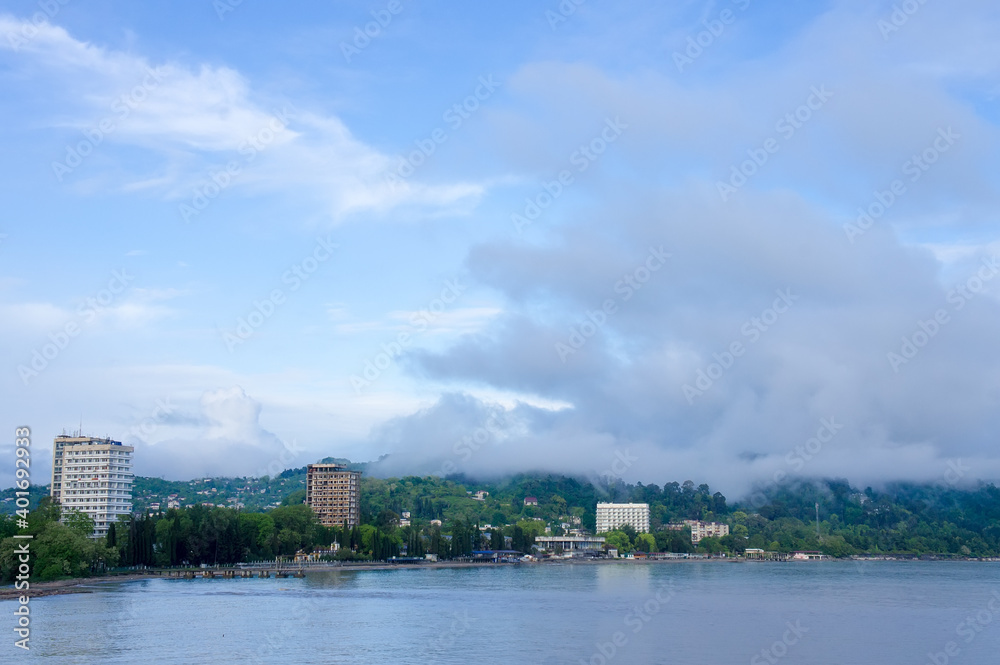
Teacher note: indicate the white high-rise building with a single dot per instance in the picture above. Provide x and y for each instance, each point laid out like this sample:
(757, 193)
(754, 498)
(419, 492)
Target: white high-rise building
(92, 476)
(610, 516)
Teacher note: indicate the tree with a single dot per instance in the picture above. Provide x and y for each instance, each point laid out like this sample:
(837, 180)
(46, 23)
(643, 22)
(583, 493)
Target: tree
(295, 528)
(438, 545)
(258, 533)
(710, 545)
(386, 519)
(414, 542)
(497, 540)
(294, 498)
(461, 539)
(734, 543)
(645, 542)
(521, 540)
(57, 550)
(618, 540)
(668, 540)
(80, 523)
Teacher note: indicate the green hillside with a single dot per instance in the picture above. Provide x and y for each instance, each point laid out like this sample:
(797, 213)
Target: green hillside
(226, 520)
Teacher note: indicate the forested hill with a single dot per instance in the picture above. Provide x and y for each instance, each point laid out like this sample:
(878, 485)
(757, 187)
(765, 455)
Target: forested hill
(901, 518)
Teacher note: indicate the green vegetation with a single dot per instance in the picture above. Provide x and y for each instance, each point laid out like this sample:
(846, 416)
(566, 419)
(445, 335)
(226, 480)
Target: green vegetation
(8, 498)
(455, 516)
(255, 494)
(902, 519)
(57, 549)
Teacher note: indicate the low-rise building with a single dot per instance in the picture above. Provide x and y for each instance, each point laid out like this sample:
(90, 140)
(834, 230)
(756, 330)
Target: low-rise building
(496, 556)
(701, 529)
(570, 544)
(809, 556)
(317, 554)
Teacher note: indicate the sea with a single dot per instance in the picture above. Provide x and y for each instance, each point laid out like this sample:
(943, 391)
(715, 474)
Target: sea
(687, 612)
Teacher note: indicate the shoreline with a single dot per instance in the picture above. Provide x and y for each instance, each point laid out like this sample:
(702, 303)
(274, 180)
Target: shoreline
(62, 587)
(80, 585)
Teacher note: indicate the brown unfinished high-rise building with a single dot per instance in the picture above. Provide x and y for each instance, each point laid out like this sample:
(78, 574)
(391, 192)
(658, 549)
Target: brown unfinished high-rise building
(334, 494)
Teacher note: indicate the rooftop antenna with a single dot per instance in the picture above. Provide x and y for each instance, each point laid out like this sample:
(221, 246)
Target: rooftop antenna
(817, 521)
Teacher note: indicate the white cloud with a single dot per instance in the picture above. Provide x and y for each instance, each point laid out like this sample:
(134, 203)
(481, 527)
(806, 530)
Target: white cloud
(31, 317)
(224, 438)
(198, 119)
(450, 322)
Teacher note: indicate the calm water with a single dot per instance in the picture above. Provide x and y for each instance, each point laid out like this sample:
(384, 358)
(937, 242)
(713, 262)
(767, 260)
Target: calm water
(693, 612)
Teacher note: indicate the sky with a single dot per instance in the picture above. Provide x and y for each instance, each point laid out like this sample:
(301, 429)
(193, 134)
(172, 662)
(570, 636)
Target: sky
(735, 242)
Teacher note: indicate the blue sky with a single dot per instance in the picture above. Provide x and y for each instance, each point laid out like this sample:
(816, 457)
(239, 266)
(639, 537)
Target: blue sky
(505, 237)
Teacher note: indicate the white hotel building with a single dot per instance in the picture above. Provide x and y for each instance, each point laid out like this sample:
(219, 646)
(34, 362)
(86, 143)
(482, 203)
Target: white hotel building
(92, 476)
(610, 516)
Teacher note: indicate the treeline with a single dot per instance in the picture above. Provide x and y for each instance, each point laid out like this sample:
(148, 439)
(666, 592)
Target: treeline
(224, 536)
(900, 519)
(903, 518)
(561, 499)
(217, 536)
